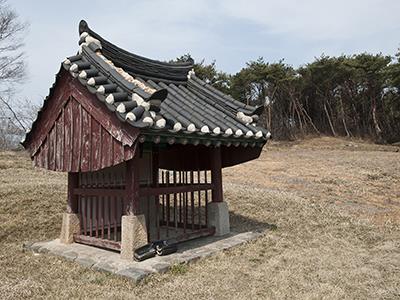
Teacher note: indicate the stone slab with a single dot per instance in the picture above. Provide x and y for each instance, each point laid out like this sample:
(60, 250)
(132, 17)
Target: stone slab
(110, 261)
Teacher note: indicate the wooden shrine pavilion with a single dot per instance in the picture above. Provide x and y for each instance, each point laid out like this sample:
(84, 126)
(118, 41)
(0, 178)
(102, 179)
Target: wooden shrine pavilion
(144, 143)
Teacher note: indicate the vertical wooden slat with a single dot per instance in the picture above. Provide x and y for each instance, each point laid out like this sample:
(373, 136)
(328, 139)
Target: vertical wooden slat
(101, 203)
(148, 214)
(111, 152)
(84, 205)
(105, 148)
(184, 203)
(175, 205)
(187, 200)
(121, 213)
(75, 135)
(86, 141)
(84, 210)
(192, 200)
(157, 218)
(111, 201)
(163, 196)
(56, 145)
(97, 205)
(44, 148)
(90, 207)
(37, 159)
(52, 148)
(115, 206)
(62, 168)
(46, 153)
(206, 200)
(180, 197)
(168, 204)
(102, 199)
(109, 218)
(95, 145)
(199, 196)
(67, 149)
(80, 202)
(118, 151)
(107, 185)
(59, 141)
(43, 154)
(122, 198)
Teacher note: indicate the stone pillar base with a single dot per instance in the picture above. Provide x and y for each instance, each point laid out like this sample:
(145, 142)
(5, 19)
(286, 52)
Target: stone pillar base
(218, 216)
(133, 235)
(70, 225)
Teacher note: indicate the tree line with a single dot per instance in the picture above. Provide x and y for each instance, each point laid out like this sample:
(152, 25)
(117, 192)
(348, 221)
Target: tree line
(349, 95)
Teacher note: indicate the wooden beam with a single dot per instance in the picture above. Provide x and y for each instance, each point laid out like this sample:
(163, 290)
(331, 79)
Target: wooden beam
(100, 192)
(216, 175)
(73, 182)
(162, 189)
(132, 185)
(144, 190)
(93, 241)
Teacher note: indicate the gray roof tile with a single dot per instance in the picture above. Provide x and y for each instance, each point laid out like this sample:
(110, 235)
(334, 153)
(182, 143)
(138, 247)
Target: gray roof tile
(165, 97)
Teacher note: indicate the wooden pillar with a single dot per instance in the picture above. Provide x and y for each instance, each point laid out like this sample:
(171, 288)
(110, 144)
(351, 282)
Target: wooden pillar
(154, 165)
(216, 174)
(132, 185)
(72, 204)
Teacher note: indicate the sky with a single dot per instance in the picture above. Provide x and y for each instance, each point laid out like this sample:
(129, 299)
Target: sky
(231, 32)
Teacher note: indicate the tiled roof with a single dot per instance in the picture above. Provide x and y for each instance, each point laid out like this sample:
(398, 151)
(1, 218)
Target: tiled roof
(159, 97)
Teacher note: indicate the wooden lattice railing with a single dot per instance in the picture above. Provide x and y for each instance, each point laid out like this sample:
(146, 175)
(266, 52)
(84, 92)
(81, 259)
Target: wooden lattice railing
(175, 206)
(101, 204)
(181, 200)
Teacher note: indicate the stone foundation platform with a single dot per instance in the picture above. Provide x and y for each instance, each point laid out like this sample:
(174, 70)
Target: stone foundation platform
(109, 261)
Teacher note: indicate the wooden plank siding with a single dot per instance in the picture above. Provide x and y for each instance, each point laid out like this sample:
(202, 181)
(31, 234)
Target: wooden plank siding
(79, 143)
(67, 164)
(77, 133)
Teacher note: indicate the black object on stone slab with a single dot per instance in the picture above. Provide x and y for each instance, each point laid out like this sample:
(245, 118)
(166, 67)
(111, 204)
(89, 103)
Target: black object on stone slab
(166, 248)
(150, 250)
(145, 252)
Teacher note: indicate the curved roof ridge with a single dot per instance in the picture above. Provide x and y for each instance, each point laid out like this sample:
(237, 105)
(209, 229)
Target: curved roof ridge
(139, 65)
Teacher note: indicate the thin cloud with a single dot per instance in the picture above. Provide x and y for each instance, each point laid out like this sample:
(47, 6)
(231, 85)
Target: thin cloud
(318, 19)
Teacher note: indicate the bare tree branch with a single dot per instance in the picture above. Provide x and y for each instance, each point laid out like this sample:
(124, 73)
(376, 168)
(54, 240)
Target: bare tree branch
(12, 66)
(13, 112)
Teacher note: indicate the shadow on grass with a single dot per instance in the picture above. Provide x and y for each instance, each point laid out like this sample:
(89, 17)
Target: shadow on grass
(240, 223)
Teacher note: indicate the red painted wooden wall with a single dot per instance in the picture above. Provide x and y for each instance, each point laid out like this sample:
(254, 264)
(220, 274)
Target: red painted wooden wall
(76, 133)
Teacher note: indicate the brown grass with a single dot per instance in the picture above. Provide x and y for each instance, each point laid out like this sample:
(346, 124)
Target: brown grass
(331, 208)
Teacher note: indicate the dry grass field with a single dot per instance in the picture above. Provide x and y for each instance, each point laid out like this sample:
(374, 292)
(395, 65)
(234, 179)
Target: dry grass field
(330, 209)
